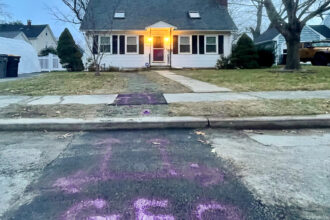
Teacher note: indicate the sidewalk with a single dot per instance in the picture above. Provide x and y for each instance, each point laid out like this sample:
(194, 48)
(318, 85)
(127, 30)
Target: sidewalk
(170, 98)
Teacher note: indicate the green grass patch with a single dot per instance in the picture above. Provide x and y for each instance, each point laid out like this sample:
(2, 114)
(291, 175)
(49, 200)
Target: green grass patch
(315, 78)
(65, 83)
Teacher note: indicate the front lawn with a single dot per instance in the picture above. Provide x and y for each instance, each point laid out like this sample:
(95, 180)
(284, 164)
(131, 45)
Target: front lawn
(317, 78)
(64, 83)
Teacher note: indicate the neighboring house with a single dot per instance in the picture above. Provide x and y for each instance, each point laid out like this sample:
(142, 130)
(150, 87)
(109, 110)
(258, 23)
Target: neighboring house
(50, 63)
(326, 21)
(40, 36)
(273, 39)
(171, 33)
(29, 62)
(17, 35)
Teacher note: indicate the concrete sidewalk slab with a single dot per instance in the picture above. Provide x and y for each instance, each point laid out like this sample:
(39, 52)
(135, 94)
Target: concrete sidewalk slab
(89, 99)
(320, 94)
(8, 100)
(194, 85)
(206, 97)
(46, 100)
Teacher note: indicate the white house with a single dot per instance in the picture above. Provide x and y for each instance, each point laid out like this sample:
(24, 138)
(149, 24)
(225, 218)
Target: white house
(39, 36)
(273, 39)
(171, 33)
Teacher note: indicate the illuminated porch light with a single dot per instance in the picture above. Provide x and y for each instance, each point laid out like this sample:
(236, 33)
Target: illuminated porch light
(150, 39)
(167, 39)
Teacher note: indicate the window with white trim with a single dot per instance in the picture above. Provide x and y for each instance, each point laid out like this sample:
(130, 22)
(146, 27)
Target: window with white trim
(211, 44)
(185, 44)
(105, 46)
(131, 44)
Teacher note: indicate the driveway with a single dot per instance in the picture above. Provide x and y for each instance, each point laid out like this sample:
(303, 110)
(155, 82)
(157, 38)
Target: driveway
(165, 174)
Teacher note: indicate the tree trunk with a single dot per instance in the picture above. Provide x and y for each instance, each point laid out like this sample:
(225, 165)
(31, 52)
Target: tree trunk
(97, 70)
(293, 57)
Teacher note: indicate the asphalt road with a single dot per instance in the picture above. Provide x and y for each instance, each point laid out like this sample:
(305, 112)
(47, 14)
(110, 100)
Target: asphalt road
(165, 174)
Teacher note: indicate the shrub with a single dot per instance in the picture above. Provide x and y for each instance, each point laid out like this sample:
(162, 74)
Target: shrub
(245, 55)
(69, 53)
(224, 63)
(266, 57)
(48, 50)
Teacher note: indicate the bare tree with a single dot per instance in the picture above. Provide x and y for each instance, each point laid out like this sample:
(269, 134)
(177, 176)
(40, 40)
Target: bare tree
(3, 13)
(290, 18)
(78, 10)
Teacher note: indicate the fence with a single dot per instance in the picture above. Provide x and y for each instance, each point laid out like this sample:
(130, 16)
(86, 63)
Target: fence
(50, 63)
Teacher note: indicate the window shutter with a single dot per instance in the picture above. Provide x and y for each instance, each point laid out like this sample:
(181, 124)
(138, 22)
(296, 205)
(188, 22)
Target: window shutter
(194, 44)
(122, 44)
(220, 44)
(201, 44)
(175, 44)
(95, 44)
(114, 44)
(141, 44)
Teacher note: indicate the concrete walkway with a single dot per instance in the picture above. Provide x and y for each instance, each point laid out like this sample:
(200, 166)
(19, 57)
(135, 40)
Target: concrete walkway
(170, 98)
(22, 76)
(194, 85)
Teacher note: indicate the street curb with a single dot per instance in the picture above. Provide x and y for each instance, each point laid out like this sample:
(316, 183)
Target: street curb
(99, 124)
(278, 122)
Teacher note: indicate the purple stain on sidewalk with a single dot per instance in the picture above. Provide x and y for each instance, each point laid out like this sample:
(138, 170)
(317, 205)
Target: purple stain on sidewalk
(146, 112)
(140, 99)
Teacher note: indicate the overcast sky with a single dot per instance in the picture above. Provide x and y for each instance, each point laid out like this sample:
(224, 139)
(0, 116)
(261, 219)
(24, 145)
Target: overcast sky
(38, 12)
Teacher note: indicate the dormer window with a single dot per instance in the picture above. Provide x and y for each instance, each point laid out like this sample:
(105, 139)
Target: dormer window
(194, 15)
(119, 15)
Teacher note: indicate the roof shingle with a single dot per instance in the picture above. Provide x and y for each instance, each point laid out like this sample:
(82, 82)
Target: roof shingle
(31, 31)
(143, 13)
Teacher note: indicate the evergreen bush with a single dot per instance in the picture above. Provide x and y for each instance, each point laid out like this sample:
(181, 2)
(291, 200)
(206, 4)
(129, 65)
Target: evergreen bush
(245, 55)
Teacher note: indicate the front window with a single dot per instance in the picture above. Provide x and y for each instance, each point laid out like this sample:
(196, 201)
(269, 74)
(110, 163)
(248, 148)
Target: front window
(185, 44)
(211, 44)
(105, 46)
(131, 46)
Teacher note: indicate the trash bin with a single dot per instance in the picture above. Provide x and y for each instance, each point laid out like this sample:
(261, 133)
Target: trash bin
(12, 66)
(3, 65)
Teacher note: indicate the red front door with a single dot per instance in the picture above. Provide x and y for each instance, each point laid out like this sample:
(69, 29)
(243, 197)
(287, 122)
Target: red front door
(158, 49)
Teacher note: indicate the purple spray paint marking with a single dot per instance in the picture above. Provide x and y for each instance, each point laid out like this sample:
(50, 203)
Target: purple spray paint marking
(74, 183)
(146, 112)
(140, 99)
(162, 145)
(142, 206)
(225, 212)
(76, 211)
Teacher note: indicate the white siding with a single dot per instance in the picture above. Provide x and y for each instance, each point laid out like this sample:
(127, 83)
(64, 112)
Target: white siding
(45, 39)
(327, 21)
(178, 60)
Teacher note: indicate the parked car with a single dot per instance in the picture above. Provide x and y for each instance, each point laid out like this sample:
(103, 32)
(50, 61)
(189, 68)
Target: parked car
(316, 52)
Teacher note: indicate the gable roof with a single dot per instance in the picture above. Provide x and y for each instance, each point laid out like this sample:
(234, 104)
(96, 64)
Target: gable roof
(9, 34)
(268, 35)
(140, 14)
(322, 29)
(31, 31)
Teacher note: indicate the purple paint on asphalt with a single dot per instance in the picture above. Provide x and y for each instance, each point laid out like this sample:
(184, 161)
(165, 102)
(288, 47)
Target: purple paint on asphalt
(202, 174)
(215, 210)
(142, 207)
(140, 99)
(75, 210)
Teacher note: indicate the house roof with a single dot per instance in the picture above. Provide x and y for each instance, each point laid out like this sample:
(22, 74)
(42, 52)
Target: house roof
(322, 29)
(31, 31)
(268, 35)
(140, 14)
(10, 34)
